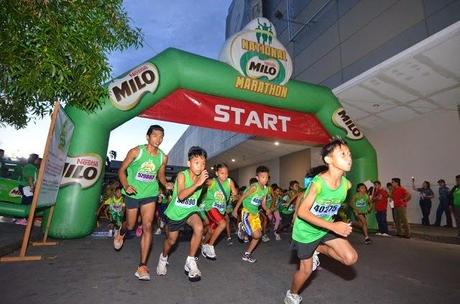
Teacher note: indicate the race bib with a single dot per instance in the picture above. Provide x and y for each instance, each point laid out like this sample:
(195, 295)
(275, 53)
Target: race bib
(256, 201)
(361, 203)
(116, 208)
(145, 177)
(325, 210)
(186, 203)
(219, 206)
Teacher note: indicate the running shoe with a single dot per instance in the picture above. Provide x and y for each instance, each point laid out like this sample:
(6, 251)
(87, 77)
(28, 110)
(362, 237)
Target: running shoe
(265, 238)
(158, 231)
(139, 231)
(367, 241)
(142, 273)
(247, 257)
(162, 263)
(191, 269)
(118, 240)
(208, 251)
(277, 236)
(315, 261)
(229, 241)
(246, 239)
(292, 298)
(240, 232)
(379, 234)
(386, 235)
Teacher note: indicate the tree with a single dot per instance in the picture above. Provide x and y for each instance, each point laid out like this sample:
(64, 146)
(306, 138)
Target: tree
(57, 50)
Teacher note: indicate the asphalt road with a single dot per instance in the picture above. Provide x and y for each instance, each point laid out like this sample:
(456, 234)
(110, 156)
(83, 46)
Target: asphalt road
(390, 270)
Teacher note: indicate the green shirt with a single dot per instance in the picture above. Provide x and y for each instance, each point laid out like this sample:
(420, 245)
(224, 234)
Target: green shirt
(287, 206)
(326, 205)
(215, 198)
(360, 201)
(253, 201)
(142, 173)
(180, 209)
(456, 197)
(29, 170)
(269, 198)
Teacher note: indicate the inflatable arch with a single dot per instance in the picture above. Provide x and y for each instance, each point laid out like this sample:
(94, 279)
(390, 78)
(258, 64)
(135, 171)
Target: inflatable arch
(175, 78)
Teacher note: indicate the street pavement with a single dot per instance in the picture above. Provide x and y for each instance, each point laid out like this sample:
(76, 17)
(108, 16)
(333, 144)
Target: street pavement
(88, 270)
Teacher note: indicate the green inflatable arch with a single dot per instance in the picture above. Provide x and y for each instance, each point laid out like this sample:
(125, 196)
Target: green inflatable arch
(74, 215)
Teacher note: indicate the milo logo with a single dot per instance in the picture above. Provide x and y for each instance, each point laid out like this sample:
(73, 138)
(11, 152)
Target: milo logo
(342, 120)
(84, 170)
(125, 93)
(257, 68)
(15, 192)
(219, 196)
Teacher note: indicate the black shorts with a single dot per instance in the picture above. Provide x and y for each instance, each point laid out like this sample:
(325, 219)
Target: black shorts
(177, 225)
(134, 203)
(306, 250)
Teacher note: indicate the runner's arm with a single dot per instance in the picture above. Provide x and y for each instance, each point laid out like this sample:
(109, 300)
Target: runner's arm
(130, 157)
(162, 174)
(183, 192)
(241, 199)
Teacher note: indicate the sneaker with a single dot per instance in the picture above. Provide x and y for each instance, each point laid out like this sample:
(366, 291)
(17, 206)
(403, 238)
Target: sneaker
(247, 257)
(386, 235)
(246, 239)
(315, 261)
(292, 298)
(142, 273)
(379, 234)
(118, 241)
(240, 232)
(158, 231)
(367, 241)
(277, 236)
(265, 238)
(139, 231)
(162, 263)
(208, 251)
(191, 268)
(22, 222)
(229, 241)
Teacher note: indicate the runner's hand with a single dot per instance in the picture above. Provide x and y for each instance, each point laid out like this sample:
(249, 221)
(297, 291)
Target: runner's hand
(130, 190)
(203, 177)
(342, 228)
(235, 214)
(169, 185)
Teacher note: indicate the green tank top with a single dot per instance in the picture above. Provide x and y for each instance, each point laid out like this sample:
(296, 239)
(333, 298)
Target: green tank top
(215, 198)
(180, 209)
(284, 208)
(361, 202)
(456, 197)
(142, 173)
(269, 198)
(253, 201)
(325, 206)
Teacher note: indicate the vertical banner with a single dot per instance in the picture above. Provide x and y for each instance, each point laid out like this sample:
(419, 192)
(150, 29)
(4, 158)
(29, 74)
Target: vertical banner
(55, 159)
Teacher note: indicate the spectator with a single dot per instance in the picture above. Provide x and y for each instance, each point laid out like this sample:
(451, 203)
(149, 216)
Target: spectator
(400, 197)
(455, 197)
(380, 200)
(29, 177)
(426, 194)
(391, 203)
(443, 206)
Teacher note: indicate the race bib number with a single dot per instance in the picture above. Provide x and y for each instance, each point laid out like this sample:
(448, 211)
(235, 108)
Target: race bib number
(145, 177)
(219, 206)
(325, 210)
(361, 203)
(186, 203)
(256, 201)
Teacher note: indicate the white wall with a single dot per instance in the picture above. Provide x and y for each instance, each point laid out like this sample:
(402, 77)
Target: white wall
(245, 174)
(426, 148)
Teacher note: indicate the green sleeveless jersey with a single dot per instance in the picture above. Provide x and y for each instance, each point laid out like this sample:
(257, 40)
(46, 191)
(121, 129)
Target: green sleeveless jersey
(215, 198)
(142, 173)
(361, 202)
(253, 201)
(178, 210)
(269, 198)
(325, 206)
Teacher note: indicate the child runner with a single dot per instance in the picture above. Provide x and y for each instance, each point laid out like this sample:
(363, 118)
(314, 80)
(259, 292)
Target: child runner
(360, 205)
(314, 228)
(116, 206)
(252, 199)
(219, 192)
(288, 205)
(276, 217)
(145, 166)
(183, 210)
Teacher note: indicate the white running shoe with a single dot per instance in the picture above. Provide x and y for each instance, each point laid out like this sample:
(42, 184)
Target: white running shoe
(158, 231)
(379, 234)
(386, 235)
(315, 261)
(265, 238)
(208, 251)
(277, 236)
(162, 265)
(292, 298)
(240, 232)
(191, 268)
(248, 258)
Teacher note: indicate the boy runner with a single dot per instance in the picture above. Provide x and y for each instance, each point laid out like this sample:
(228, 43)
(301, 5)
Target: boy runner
(314, 228)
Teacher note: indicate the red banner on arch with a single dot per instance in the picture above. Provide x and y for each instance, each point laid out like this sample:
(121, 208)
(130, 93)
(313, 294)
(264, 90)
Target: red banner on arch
(198, 109)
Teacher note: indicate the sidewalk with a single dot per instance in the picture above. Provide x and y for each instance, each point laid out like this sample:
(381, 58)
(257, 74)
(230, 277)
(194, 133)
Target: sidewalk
(11, 235)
